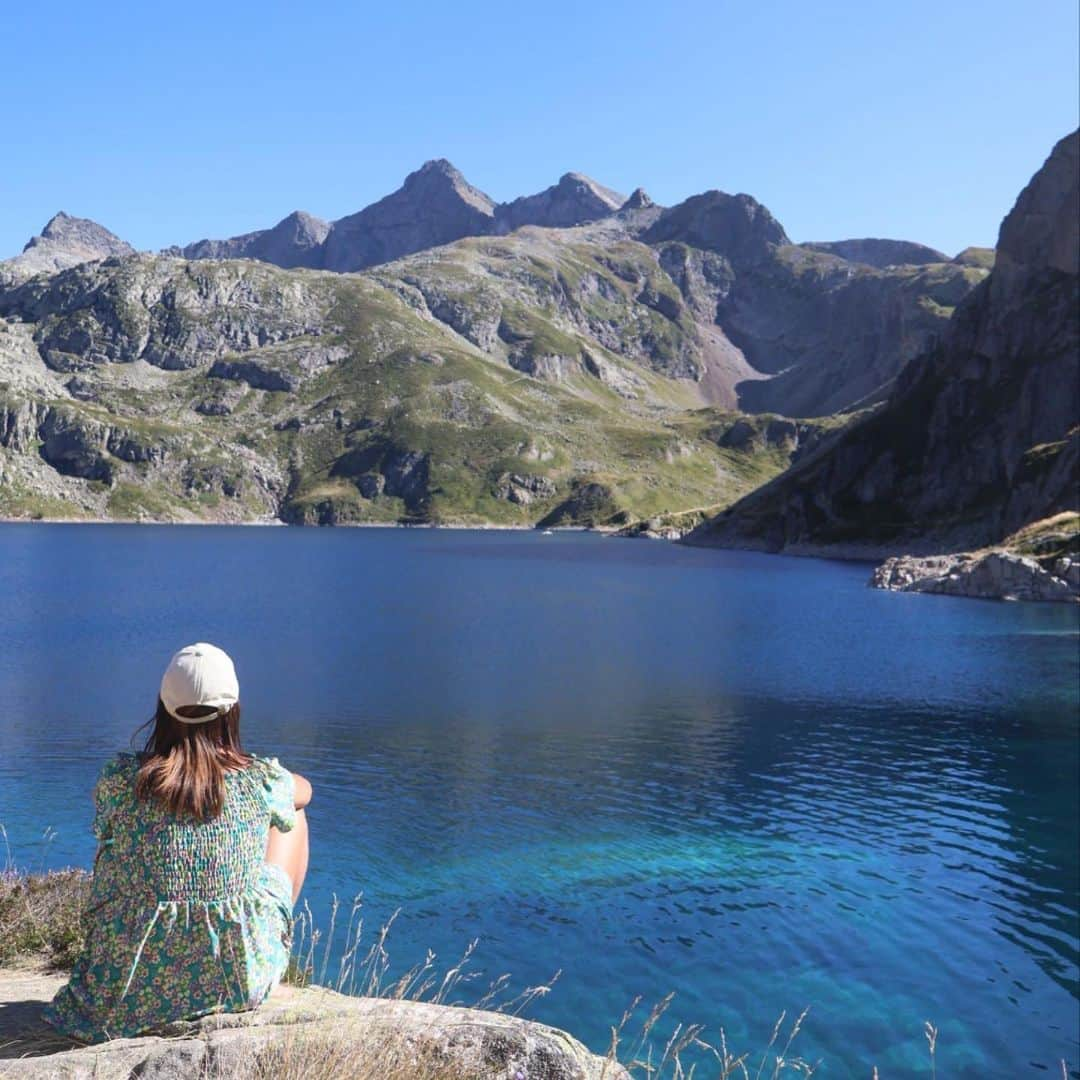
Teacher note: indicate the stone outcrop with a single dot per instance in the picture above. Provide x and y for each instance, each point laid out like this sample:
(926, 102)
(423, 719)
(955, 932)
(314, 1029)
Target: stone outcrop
(360, 1034)
(1000, 575)
(981, 434)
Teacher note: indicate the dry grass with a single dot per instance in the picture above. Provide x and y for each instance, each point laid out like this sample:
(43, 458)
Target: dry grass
(325, 1055)
(41, 916)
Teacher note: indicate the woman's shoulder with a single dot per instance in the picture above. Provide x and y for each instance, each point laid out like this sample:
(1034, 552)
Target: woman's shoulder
(122, 763)
(267, 769)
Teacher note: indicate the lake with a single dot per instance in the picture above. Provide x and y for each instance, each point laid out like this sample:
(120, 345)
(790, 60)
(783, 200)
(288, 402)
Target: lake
(750, 780)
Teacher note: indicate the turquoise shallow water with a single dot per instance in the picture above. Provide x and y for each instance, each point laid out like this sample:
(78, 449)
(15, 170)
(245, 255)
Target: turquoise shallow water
(750, 780)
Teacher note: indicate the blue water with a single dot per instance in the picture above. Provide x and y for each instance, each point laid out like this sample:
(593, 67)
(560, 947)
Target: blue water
(747, 779)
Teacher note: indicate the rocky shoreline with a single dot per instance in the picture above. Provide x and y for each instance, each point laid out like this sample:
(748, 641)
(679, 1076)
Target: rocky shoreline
(996, 575)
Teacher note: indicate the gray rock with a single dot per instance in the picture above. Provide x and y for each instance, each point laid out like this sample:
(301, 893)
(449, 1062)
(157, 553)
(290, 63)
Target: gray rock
(257, 375)
(364, 1032)
(998, 575)
(523, 489)
(76, 446)
(371, 485)
(736, 226)
(639, 200)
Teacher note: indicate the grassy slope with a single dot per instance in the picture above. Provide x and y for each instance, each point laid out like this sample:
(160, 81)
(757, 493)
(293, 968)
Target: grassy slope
(408, 382)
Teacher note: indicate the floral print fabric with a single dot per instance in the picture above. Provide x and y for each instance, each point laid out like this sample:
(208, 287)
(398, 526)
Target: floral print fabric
(185, 916)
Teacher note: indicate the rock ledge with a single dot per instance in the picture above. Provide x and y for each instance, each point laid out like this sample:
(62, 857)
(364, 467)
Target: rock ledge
(469, 1042)
(997, 575)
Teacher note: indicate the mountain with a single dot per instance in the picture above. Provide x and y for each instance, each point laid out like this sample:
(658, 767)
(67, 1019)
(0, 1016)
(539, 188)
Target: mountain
(793, 329)
(832, 334)
(461, 370)
(435, 205)
(65, 241)
(981, 434)
(518, 379)
(294, 241)
(574, 200)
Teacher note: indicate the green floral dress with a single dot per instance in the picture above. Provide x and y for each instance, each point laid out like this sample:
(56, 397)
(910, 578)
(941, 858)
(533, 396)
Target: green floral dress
(185, 916)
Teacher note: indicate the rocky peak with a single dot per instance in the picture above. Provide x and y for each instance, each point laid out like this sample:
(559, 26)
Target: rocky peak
(64, 242)
(736, 226)
(587, 188)
(439, 177)
(639, 200)
(574, 200)
(435, 205)
(1043, 229)
(303, 227)
(80, 236)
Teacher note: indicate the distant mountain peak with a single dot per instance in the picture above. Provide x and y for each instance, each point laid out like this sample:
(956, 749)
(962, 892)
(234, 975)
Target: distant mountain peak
(441, 175)
(736, 226)
(574, 199)
(579, 181)
(639, 200)
(82, 233)
(66, 241)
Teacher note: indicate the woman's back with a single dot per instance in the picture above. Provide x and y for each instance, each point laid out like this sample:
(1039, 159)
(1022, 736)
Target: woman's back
(185, 915)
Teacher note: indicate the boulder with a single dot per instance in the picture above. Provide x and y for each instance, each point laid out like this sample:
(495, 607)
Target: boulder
(357, 1034)
(523, 488)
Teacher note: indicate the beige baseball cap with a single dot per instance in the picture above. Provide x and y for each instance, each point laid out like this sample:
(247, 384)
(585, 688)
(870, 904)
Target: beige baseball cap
(199, 674)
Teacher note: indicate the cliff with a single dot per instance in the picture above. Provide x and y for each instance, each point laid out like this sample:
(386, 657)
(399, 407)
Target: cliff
(981, 434)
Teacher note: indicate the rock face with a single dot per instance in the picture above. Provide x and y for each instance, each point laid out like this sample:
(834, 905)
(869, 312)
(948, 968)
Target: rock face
(880, 253)
(992, 575)
(472, 383)
(344, 1034)
(65, 241)
(833, 333)
(981, 434)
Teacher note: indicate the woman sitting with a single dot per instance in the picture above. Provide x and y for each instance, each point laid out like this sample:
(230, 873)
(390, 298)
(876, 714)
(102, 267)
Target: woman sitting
(202, 853)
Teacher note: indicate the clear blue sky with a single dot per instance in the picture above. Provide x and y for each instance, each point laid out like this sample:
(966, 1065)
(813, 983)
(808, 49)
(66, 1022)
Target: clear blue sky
(167, 123)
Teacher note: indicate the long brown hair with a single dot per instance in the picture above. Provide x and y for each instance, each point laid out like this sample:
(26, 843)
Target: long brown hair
(183, 765)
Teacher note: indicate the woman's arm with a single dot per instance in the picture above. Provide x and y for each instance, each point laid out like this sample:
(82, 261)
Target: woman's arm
(302, 790)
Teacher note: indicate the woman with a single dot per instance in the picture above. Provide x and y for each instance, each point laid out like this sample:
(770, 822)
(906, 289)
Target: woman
(202, 853)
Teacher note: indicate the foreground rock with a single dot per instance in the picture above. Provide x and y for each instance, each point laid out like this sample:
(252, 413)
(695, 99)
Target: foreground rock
(343, 1035)
(998, 575)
